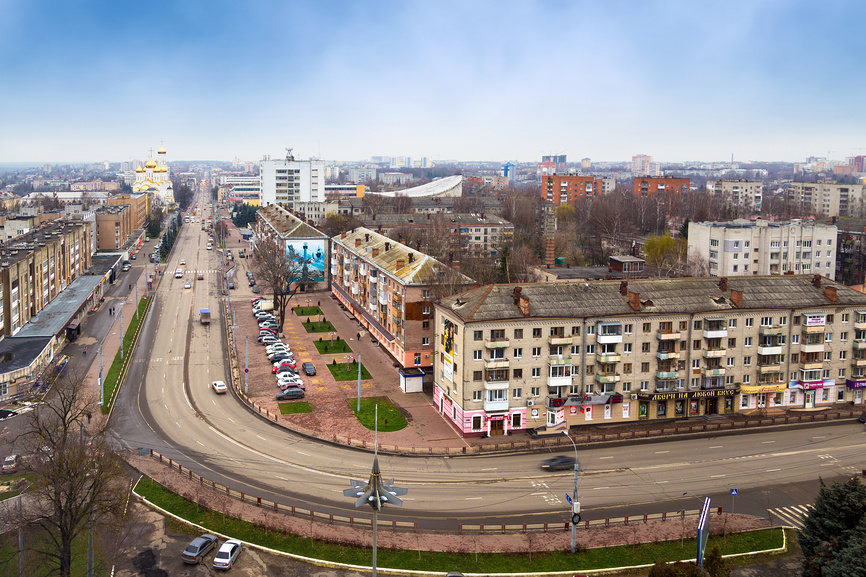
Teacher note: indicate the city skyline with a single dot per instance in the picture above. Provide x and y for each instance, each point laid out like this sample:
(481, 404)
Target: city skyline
(484, 81)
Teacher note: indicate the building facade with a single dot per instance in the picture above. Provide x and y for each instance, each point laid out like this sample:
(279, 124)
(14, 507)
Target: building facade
(140, 203)
(287, 179)
(552, 356)
(245, 189)
(302, 243)
(828, 198)
(760, 247)
(668, 186)
(566, 189)
(746, 194)
(390, 288)
(114, 225)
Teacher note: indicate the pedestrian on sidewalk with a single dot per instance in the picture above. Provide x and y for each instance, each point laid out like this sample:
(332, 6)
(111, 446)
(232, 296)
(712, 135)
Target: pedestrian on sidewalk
(85, 351)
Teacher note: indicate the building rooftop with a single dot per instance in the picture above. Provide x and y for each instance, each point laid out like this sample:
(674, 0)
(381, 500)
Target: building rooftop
(19, 352)
(286, 225)
(657, 296)
(760, 222)
(417, 268)
(52, 319)
(22, 246)
(447, 186)
(426, 219)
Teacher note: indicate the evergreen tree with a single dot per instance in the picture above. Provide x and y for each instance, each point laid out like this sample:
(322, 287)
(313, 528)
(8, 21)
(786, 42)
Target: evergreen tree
(714, 564)
(834, 529)
(684, 229)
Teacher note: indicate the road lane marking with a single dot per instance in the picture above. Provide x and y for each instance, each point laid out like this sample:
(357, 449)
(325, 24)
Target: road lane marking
(767, 442)
(490, 469)
(661, 452)
(772, 470)
(262, 438)
(474, 498)
(304, 454)
(285, 479)
(715, 476)
(605, 457)
(716, 447)
(199, 442)
(660, 482)
(599, 488)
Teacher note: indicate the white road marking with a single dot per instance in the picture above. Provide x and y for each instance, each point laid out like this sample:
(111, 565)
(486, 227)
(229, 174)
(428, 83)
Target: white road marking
(772, 470)
(285, 479)
(187, 398)
(490, 469)
(715, 476)
(199, 442)
(304, 454)
(716, 447)
(474, 498)
(262, 438)
(767, 442)
(598, 488)
(660, 482)
(661, 452)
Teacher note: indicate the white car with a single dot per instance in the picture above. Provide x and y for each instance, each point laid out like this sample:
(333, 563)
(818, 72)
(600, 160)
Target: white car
(182, 261)
(187, 284)
(227, 554)
(219, 387)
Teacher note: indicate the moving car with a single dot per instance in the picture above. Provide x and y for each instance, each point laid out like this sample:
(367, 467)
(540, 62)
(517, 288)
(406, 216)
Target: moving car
(227, 554)
(219, 387)
(10, 463)
(187, 285)
(200, 276)
(309, 369)
(290, 393)
(862, 418)
(558, 463)
(182, 261)
(198, 548)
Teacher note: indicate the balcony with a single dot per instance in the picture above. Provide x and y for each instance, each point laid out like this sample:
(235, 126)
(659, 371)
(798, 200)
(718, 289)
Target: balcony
(816, 329)
(558, 360)
(859, 345)
(497, 344)
(713, 372)
(396, 313)
(764, 369)
(812, 365)
(766, 331)
(669, 335)
(493, 406)
(715, 353)
(665, 356)
(608, 358)
(667, 375)
(816, 348)
(398, 299)
(605, 378)
(860, 325)
(769, 350)
(716, 333)
(496, 363)
(558, 381)
(397, 322)
(858, 362)
(608, 338)
(374, 279)
(560, 340)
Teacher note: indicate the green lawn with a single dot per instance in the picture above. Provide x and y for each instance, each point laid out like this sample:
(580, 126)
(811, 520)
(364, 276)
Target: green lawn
(442, 562)
(341, 373)
(295, 407)
(12, 485)
(322, 327)
(390, 419)
(307, 311)
(113, 373)
(326, 347)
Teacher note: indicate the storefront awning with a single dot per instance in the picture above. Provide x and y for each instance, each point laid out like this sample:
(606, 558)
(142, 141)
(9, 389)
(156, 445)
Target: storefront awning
(773, 388)
(855, 384)
(702, 394)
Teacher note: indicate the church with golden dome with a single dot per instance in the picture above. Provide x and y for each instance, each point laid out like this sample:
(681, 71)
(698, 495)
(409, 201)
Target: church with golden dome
(154, 177)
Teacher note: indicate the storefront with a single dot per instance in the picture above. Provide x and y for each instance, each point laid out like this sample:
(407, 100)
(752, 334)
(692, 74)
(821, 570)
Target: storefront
(685, 404)
(591, 409)
(813, 393)
(763, 396)
(856, 388)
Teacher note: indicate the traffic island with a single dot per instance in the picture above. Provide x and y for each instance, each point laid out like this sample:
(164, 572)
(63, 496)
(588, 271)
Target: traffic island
(318, 326)
(389, 417)
(332, 347)
(348, 371)
(295, 407)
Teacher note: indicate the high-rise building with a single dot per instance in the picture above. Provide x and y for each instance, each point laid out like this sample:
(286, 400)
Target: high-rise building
(585, 164)
(661, 186)
(558, 161)
(287, 179)
(562, 189)
(746, 194)
(828, 197)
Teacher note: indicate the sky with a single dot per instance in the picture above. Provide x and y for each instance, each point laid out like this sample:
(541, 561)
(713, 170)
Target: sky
(771, 80)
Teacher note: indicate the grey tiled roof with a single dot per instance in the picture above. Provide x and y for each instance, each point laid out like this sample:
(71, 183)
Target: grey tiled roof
(657, 296)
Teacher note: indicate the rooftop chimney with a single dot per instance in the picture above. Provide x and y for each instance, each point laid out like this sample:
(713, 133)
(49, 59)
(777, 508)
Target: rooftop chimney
(375, 252)
(516, 294)
(411, 257)
(343, 234)
(737, 298)
(830, 293)
(387, 246)
(816, 281)
(400, 264)
(366, 237)
(623, 288)
(357, 242)
(634, 301)
(723, 284)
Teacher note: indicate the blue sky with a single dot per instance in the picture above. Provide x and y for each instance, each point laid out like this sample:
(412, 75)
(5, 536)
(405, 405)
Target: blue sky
(466, 80)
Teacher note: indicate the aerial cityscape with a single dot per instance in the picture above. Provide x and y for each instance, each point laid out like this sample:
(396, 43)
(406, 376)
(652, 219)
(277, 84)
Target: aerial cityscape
(340, 289)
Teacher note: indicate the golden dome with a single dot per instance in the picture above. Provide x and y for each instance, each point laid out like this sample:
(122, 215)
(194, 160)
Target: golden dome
(161, 150)
(150, 164)
(139, 169)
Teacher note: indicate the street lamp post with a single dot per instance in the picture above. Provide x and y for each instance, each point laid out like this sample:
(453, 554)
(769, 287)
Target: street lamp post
(575, 505)
(360, 334)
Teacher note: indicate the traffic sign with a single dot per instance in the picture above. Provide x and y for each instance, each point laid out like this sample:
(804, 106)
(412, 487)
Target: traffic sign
(246, 370)
(568, 498)
(733, 492)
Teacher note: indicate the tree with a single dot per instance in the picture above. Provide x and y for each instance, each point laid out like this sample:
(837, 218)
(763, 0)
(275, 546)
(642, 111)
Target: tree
(684, 229)
(77, 479)
(334, 224)
(154, 222)
(278, 274)
(675, 569)
(665, 253)
(833, 532)
(243, 214)
(715, 564)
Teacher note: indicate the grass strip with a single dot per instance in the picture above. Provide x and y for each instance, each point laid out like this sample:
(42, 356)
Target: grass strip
(343, 373)
(543, 561)
(326, 347)
(318, 327)
(295, 407)
(307, 311)
(390, 418)
(129, 336)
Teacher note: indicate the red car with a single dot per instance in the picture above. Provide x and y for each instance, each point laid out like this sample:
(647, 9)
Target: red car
(281, 365)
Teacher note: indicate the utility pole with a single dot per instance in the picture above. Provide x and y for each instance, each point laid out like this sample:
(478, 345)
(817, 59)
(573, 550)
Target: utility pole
(121, 333)
(575, 504)
(246, 364)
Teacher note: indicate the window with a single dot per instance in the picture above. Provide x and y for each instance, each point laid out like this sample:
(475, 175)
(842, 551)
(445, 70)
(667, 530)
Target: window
(696, 345)
(828, 355)
(575, 330)
(729, 380)
(536, 333)
(747, 361)
(747, 379)
(644, 385)
(766, 321)
(535, 391)
(747, 341)
(795, 357)
(425, 310)
(696, 382)
(626, 387)
(477, 375)
(627, 329)
(516, 393)
(841, 374)
(828, 337)
(647, 327)
(536, 352)
(425, 324)
(590, 330)
(518, 373)
(744, 401)
(696, 363)
(732, 323)
(575, 349)
(644, 347)
(518, 333)
(425, 294)
(476, 355)
(783, 321)
(626, 368)
(425, 341)
(476, 396)
(697, 325)
(830, 318)
(417, 359)
(478, 335)
(750, 322)
(732, 343)
(795, 339)
(731, 361)
(590, 349)
(845, 317)
(536, 372)
(518, 353)
(590, 369)
(626, 347)
(843, 336)
(644, 367)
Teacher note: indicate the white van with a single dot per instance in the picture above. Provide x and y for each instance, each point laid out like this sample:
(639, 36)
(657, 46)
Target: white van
(178, 273)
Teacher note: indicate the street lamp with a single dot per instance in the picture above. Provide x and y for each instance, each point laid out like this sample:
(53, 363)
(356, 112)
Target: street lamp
(575, 504)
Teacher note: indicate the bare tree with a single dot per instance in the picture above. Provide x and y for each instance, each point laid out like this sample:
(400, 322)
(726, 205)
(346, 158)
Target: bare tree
(77, 479)
(278, 274)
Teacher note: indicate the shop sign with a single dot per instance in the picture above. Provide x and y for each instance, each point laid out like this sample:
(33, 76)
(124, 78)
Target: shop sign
(705, 394)
(855, 384)
(815, 321)
(496, 418)
(812, 384)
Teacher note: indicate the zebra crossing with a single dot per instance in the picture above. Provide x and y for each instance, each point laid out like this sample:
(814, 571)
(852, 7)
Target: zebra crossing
(791, 516)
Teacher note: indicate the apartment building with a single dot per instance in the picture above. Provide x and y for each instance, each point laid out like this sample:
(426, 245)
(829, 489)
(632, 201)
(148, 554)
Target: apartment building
(828, 198)
(389, 288)
(746, 194)
(287, 179)
(246, 189)
(481, 234)
(553, 356)
(36, 267)
(302, 243)
(566, 189)
(141, 203)
(114, 225)
(761, 247)
(669, 186)
(362, 175)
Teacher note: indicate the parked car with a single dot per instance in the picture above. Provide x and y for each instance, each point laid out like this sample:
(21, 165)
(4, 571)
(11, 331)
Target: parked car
(182, 261)
(254, 300)
(862, 418)
(558, 463)
(290, 393)
(227, 554)
(286, 385)
(219, 387)
(187, 285)
(309, 369)
(255, 289)
(269, 340)
(284, 370)
(198, 548)
(200, 276)
(288, 378)
(231, 286)
(10, 463)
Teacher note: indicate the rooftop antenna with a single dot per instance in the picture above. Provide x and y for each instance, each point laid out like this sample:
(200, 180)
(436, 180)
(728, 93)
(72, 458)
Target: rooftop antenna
(289, 155)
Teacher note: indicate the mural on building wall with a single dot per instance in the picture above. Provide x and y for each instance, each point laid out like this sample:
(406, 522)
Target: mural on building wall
(310, 254)
(448, 348)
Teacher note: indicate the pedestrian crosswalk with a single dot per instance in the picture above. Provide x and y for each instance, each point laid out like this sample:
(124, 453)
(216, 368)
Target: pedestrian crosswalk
(791, 516)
